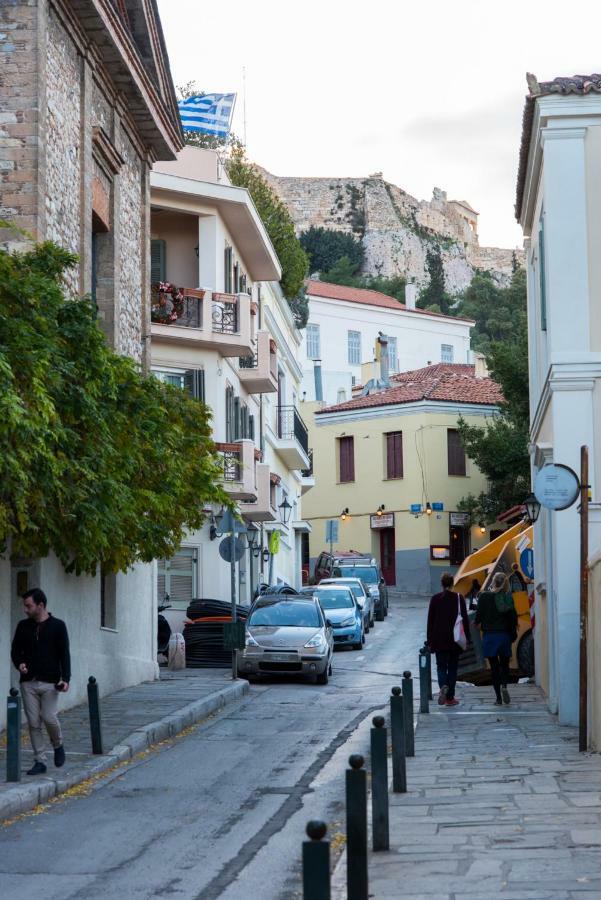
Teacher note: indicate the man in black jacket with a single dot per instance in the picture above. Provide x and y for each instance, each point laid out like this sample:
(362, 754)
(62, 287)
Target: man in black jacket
(40, 651)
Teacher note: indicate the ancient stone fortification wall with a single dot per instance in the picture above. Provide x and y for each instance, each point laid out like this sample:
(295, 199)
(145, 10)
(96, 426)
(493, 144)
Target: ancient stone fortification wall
(396, 228)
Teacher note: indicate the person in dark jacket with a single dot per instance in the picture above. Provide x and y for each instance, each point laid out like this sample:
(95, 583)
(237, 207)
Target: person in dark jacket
(442, 615)
(498, 619)
(40, 652)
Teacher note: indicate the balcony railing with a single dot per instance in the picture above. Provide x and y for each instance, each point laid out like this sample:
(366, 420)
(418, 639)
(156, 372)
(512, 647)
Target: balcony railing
(231, 454)
(308, 473)
(249, 362)
(224, 313)
(291, 426)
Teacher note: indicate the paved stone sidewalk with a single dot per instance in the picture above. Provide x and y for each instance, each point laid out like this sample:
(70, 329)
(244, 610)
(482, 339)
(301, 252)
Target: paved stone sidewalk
(132, 720)
(500, 803)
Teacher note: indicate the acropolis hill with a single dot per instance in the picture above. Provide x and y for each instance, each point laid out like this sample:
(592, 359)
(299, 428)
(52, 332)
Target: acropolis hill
(396, 229)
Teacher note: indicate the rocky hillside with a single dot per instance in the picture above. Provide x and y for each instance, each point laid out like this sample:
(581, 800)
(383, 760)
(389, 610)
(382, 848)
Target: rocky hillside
(396, 229)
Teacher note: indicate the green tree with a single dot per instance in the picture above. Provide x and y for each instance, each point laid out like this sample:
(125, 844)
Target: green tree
(393, 286)
(98, 463)
(325, 247)
(434, 296)
(275, 217)
(497, 311)
(344, 272)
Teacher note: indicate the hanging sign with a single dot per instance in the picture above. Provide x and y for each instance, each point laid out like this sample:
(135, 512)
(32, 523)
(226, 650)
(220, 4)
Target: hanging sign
(556, 486)
(386, 520)
(274, 542)
(460, 518)
(415, 508)
(438, 507)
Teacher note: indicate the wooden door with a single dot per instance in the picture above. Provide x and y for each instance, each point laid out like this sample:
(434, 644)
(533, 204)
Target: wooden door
(387, 555)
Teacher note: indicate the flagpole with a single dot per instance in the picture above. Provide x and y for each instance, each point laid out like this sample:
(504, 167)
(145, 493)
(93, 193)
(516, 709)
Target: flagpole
(244, 100)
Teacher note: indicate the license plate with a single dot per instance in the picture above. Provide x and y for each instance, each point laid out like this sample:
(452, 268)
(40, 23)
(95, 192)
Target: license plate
(280, 657)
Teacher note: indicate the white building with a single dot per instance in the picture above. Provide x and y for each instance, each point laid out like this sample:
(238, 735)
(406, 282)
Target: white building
(234, 345)
(344, 323)
(559, 208)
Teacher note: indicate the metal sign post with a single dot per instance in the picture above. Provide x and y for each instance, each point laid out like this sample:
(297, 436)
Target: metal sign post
(583, 718)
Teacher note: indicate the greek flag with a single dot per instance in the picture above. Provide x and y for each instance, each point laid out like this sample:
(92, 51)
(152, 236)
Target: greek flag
(210, 113)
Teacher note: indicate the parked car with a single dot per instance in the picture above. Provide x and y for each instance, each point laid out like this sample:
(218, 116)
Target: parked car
(287, 634)
(362, 595)
(341, 608)
(369, 572)
(326, 562)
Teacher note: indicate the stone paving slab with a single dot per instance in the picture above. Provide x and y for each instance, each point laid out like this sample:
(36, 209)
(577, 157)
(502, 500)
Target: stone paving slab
(500, 803)
(132, 721)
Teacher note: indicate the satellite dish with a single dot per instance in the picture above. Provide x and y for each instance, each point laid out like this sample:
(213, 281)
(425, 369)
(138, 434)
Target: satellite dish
(231, 550)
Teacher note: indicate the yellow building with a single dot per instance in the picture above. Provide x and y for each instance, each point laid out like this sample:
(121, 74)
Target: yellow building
(392, 457)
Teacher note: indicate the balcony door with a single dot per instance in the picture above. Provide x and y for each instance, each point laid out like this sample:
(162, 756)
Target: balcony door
(281, 402)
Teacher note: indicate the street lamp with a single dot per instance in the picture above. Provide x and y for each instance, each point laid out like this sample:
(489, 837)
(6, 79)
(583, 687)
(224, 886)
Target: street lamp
(252, 536)
(344, 515)
(532, 508)
(482, 527)
(285, 511)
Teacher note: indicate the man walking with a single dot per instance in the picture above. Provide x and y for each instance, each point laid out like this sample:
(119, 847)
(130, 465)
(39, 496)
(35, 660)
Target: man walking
(40, 651)
(442, 615)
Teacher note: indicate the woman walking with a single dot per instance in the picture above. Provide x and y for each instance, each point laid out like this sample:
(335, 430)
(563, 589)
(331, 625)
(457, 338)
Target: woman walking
(443, 612)
(498, 619)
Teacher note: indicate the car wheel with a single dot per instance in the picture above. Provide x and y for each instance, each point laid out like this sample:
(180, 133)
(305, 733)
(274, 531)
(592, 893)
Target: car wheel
(366, 630)
(323, 678)
(372, 622)
(380, 614)
(330, 669)
(362, 638)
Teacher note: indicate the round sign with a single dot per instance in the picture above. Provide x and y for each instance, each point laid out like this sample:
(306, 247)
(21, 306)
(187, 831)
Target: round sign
(229, 549)
(556, 486)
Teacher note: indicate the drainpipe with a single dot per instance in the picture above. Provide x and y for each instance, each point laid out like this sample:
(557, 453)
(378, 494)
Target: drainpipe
(261, 441)
(318, 380)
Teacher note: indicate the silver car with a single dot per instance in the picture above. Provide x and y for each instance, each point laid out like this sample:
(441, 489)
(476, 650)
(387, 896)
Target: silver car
(362, 594)
(287, 635)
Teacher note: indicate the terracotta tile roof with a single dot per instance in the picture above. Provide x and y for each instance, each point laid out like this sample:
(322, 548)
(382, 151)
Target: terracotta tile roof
(575, 84)
(443, 382)
(368, 297)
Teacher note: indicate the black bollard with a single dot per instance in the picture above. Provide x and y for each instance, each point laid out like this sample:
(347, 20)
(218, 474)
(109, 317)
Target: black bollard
(379, 785)
(424, 703)
(429, 656)
(94, 707)
(408, 707)
(356, 829)
(397, 739)
(13, 736)
(316, 863)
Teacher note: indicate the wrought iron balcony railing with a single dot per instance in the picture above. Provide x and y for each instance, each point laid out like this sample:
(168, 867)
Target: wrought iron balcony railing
(308, 473)
(291, 426)
(224, 313)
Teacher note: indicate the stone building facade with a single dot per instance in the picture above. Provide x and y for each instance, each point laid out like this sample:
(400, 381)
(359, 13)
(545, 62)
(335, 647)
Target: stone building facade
(87, 106)
(396, 229)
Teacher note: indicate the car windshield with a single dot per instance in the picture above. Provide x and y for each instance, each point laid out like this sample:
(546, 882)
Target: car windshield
(287, 613)
(332, 598)
(365, 573)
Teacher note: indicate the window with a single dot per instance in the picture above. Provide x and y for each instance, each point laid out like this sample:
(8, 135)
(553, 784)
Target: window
(340, 395)
(158, 261)
(455, 452)
(446, 353)
(229, 414)
(108, 600)
(194, 383)
(459, 544)
(394, 454)
(227, 270)
(393, 355)
(313, 342)
(541, 265)
(177, 379)
(354, 348)
(346, 457)
(177, 578)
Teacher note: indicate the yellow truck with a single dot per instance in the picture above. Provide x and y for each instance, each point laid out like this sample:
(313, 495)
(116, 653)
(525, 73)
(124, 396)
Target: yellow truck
(512, 554)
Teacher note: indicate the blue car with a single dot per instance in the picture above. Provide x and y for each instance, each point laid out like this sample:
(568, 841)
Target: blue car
(341, 609)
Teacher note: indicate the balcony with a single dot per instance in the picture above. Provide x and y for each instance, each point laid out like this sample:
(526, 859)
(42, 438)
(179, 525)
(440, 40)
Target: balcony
(204, 319)
(292, 442)
(239, 476)
(307, 476)
(261, 510)
(258, 371)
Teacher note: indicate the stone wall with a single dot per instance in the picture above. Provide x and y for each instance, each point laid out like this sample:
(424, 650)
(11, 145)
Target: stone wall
(396, 228)
(132, 245)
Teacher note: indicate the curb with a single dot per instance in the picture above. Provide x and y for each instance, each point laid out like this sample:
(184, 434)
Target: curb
(23, 797)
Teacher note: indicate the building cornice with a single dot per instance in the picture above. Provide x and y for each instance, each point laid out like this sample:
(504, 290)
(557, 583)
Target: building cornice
(569, 376)
(428, 407)
(404, 313)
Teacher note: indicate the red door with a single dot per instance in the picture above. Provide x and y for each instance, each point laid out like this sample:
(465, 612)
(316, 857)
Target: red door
(387, 557)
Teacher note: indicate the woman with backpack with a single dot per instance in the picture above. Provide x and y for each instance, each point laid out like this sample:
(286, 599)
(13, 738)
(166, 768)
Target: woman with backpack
(447, 636)
(498, 620)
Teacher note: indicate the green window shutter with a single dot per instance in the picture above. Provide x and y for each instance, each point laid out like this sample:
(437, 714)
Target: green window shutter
(251, 427)
(227, 275)
(158, 261)
(194, 382)
(542, 282)
(236, 418)
(229, 405)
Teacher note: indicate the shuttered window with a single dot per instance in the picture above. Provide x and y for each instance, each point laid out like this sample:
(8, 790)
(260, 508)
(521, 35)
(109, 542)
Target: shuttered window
(177, 578)
(393, 354)
(456, 453)
(354, 348)
(229, 414)
(394, 454)
(158, 261)
(194, 382)
(227, 270)
(346, 451)
(313, 342)
(446, 353)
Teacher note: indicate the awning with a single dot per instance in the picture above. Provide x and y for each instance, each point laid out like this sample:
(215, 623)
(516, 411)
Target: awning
(303, 526)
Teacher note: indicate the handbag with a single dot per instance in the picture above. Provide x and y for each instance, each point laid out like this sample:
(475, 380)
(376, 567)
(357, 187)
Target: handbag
(458, 630)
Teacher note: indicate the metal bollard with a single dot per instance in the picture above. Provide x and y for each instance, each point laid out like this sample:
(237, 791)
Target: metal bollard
(13, 736)
(316, 863)
(424, 703)
(408, 709)
(94, 707)
(429, 655)
(379, 785)
(356, 829)
(397, 739)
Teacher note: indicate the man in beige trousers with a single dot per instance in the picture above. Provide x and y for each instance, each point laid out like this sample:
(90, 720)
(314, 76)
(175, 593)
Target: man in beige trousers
(40, 651)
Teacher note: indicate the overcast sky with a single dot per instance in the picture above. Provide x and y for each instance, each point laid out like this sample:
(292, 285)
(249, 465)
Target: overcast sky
(430, 93)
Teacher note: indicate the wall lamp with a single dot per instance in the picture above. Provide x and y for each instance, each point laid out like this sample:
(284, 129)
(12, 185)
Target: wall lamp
(532, 508)
(252, 536)
(380, 509)
(285, 511)
(345, 514)
(482, 527)
(428, 509)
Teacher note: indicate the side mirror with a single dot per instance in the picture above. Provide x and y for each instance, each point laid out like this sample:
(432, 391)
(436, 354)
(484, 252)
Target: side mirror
(382, 581)
(328, 623)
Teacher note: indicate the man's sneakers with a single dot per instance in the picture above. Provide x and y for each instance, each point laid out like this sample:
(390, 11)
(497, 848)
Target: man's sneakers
(38, 768)
(59, 756)
(442, 695)
(505, 694)
(452, 702)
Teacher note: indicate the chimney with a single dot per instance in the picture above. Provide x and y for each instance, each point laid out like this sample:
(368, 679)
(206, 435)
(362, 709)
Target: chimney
(410, 294)
(382, 340)
(480, 367)
(318, 381)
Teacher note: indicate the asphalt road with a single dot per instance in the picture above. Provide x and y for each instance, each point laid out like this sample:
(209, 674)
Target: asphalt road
(221, 811)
